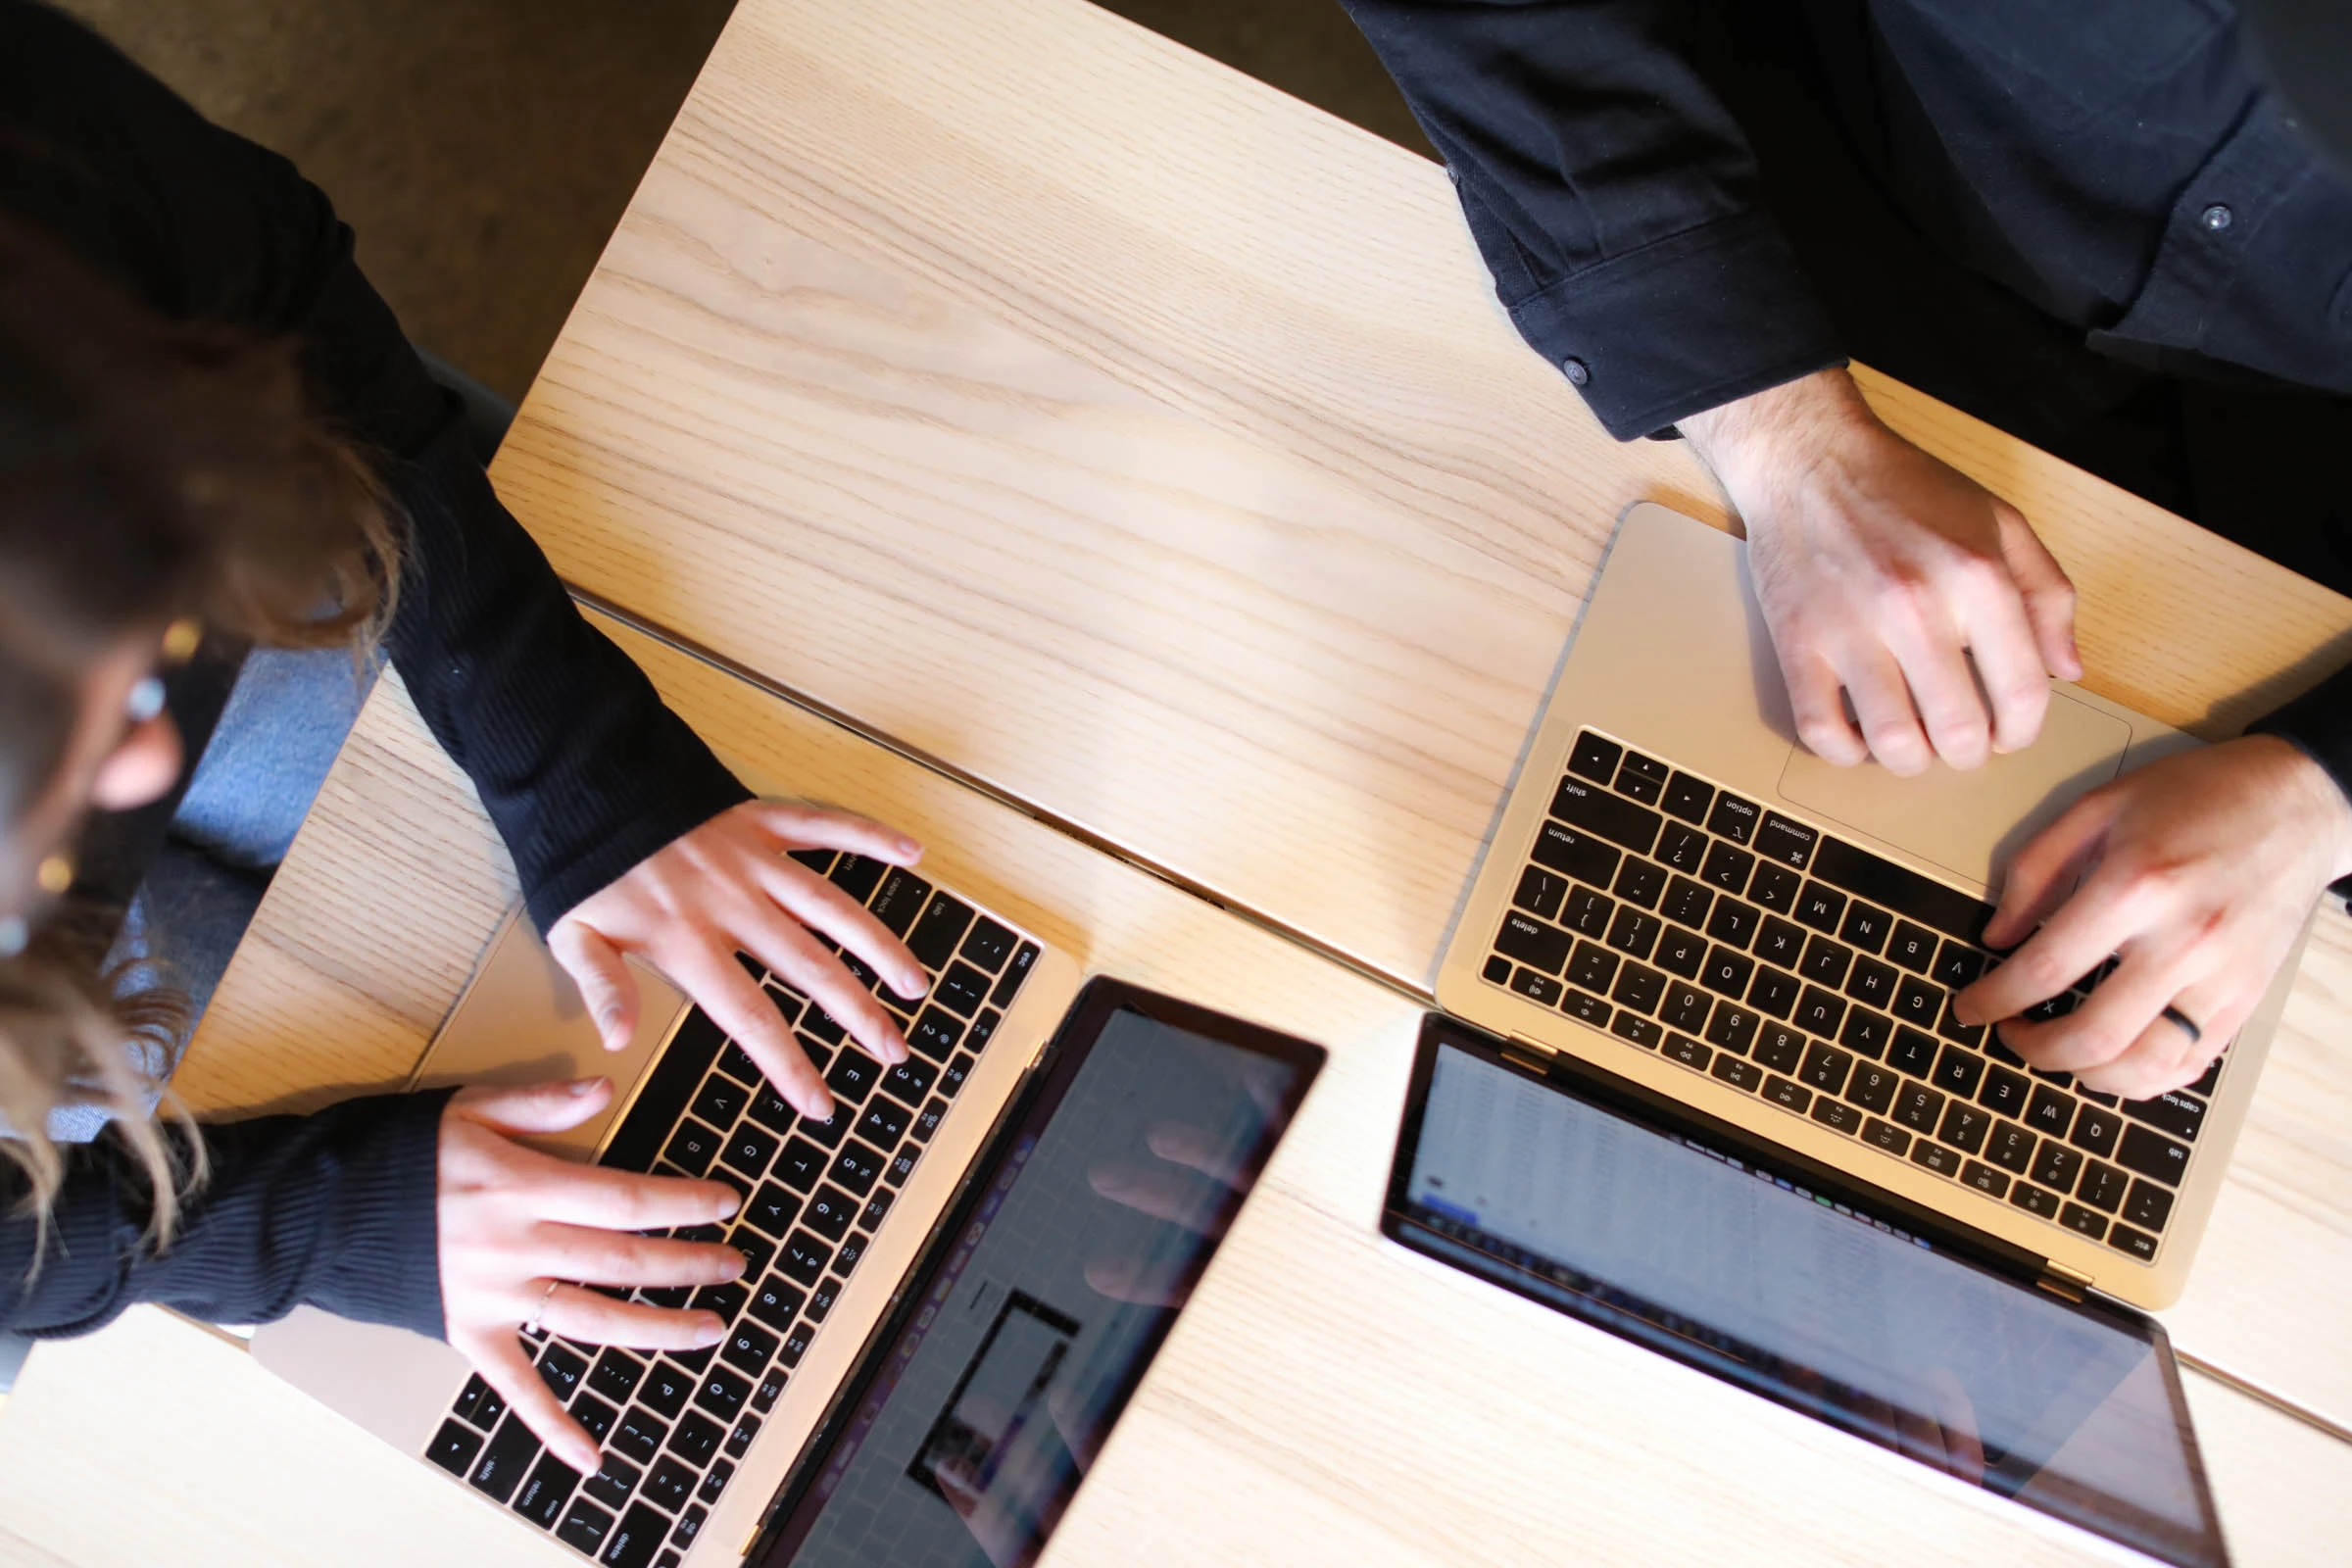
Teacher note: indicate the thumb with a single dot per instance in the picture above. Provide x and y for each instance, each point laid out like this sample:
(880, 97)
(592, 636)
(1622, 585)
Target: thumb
(605, 984)
(555, 1107)
(2048, 594)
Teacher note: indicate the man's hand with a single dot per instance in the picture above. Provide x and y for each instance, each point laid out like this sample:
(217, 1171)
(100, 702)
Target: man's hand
(2198, 872)
(1877, 567)
(729, 886)
(511, 1223)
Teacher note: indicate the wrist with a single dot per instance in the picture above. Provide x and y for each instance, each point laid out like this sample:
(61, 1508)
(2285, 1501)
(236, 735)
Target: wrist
(2319, 809)
(1761, 447)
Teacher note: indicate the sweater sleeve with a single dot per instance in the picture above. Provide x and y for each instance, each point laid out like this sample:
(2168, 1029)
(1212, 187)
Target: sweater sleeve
(577, 761)
(1612, 196)
(334, 1210)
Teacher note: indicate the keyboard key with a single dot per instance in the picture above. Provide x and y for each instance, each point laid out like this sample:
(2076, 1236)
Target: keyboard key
(1734, 923)
(1787, 842)
(1785, 1095)
(1865, 926)
(901, 1166)
(1874, 1087)
(1826, 1067)
(1687, 902)
(2005, 1093)
(1837, 1115)
(1539, 891)
(638, 1435)
(1686, 1050)
(1918, 1107)
(1582, 855)
(1964, 1127)
(1739, 1074)
(479, 1403)
(1586, 1008)
(795, 1343)
(2124, 1239)
(1009, 984)
(1893, 1140)
(877, 1204)
(819, 1024)
(749, 1147)
(1592, 967)
(773, 1208)
(562, 1369)
(1728, 972)
(896, 902)
(884, 1122)
(962, 989)
(800, 1164)
(1688, 798)
(1820, 1012)
(2103, 1187)
(1685, 1007)
(722, 1391)
(1883, 882)
(1733, 818)
(2148, 1206)
(1952, 1028)
(2050, 1112)
(1639, 988)
(1872, 984)
(1820, 907)
(2176, 1113)
(952, 1077)
(1683, 847)
(1826, 961)
(2204, 1085)
(1536, 987)
(748, 1348)
(1642, 777)
(614, 1482)
(2010, 1147)
(1985, 1179)
(1683, 952)
(2089, 1221)
(510, 1452)
(739, 1435)
(1957, 964)
(1775, 887)
(2028, 1196)
(690, 1525)
(1613, 818)
(1780, 1048)
(2151, 1154)
(1916, 1004)
(1594, 757)
(1912, 1051)
(1935, 1158)
(927, 1120)
(453, 1448)
(545, 1491)
(938, 930)
(1774, 991)
(2096, 1129)
(987, 944)
(1958, 1072)
(853, 1075)
(1632, 1027)
(2056, 1167)
(692, 1147)
(670, 1482)
(804, 1258)
(1866, 1032)
(1639, 882)
(1634, 932)
(665, 1390)
(1537, 945)
(696, 1437)
(1912, 947)
(775, 1302)
(1732, 1028)
(593, 1414)
(1496, 970)
(830, 1212)
(1727, 867)
(1781, 942)
(721, 1100)
(585, 1527)
(1587, 912)
(857, 874)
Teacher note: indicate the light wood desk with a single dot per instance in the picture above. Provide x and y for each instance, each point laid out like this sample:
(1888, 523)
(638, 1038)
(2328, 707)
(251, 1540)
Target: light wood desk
(1148, 445)
(1326, 1399)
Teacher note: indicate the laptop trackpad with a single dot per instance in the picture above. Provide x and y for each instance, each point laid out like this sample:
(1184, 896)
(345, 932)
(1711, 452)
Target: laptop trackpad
(1968, 823)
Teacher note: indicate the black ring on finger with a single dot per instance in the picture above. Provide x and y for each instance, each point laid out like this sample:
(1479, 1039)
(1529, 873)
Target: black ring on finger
(2174, 1014)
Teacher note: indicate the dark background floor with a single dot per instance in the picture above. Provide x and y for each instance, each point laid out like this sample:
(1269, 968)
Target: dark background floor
(483, 149)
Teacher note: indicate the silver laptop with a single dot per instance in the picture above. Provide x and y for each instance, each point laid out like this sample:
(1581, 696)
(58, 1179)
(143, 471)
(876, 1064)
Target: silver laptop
(1679, 894)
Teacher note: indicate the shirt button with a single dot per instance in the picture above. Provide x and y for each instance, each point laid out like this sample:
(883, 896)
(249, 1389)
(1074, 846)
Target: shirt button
(2217, 217)
(1576, 372)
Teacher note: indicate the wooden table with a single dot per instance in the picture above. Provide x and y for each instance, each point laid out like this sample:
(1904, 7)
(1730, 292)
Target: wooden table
(1146, 448)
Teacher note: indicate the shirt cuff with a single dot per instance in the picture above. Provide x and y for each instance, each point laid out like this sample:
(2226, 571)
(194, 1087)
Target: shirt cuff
(387, 1258)
(1681, 326)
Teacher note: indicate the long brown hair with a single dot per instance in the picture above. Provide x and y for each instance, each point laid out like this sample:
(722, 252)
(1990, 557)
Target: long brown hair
(150, 471)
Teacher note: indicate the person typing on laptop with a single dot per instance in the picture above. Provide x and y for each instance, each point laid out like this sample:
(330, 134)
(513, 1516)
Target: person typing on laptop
(2108, 228)
(212, 434)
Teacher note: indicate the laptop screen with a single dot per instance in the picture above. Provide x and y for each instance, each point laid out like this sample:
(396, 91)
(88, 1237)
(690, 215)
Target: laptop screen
(1026, 1330)
(1706, 1255)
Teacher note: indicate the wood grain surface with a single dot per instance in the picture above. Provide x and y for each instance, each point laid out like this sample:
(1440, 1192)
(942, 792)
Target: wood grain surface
(1326, 1398)
(1149, 446)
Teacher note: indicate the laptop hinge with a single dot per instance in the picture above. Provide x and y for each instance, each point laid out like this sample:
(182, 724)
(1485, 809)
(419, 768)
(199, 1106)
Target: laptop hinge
(2071, 1283)
(1532, 1055)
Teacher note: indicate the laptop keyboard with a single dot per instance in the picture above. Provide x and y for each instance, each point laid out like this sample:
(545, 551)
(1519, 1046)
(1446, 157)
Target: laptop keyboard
(1813, 974)
(673, 1425)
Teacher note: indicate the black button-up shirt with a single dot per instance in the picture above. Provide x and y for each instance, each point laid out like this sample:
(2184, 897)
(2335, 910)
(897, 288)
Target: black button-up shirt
(2119, 164)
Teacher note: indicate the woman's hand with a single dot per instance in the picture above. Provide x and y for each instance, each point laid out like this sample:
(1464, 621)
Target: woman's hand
(2197, 872)
(512, 1222)
(729, 886)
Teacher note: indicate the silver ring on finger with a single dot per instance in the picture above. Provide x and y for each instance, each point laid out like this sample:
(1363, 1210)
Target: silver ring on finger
(540, 1311)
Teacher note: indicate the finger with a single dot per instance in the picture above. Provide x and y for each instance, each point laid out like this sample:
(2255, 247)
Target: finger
(819, 905)
(2167, 1055)
(498, 1356)
(2009, 666)
(1196, 1147)
(591, 1318)
(792, 954)
(2048, 594)
(555, 1107)
(1816, 700)
(1882, 706)
(2110, 1023)
(743, 1009)
(598, 1197)
(605, 984)
(2044, 873)
(798, 825)
(1943, 691)
(1159, 1192)
(596, 1256)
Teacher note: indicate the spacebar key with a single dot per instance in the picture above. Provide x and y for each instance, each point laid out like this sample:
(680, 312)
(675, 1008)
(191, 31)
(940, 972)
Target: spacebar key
(1904, 891)
(1612, 816)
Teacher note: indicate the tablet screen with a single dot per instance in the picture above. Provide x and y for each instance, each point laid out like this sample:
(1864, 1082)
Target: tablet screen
(1707, 1254)
(1028, 1328)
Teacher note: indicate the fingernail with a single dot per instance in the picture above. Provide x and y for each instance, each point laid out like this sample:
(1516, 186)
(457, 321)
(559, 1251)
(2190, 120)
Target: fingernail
(709, 1331)
(908, 846)
(726, 1206)
(742, 1263)
(582, 1088)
